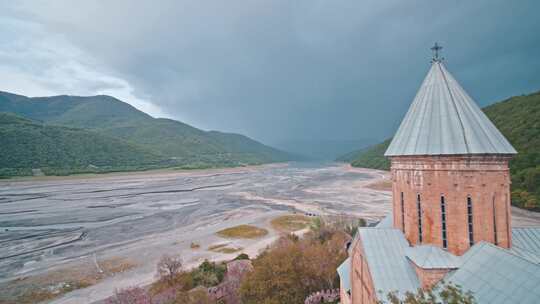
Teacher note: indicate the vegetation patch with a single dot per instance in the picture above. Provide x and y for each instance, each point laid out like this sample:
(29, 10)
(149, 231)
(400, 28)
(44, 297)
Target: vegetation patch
(518, 120)
(217, 247)
(382, 185)
(373, 157)
(173, 277)
(293, 268)
(116, 265)
(48, 286)
(290, 223)
(243, 232)
(229, 249)
(224, 248)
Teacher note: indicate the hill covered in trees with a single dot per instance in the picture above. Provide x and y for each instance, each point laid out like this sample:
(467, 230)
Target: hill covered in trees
(28, 144)
(371, 157)
(518, 118)
(119, 131)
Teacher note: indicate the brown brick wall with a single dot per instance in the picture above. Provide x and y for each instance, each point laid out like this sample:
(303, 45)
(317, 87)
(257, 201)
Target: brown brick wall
(429, 277)
(362, 289)
(484, 178)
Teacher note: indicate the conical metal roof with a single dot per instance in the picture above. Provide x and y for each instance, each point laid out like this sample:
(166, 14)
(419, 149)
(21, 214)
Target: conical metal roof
(444, 120)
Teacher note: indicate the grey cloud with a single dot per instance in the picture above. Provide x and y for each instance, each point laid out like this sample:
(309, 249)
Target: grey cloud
(279, 70)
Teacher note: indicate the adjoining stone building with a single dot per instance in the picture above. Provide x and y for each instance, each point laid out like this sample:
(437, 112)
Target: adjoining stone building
(451, 216)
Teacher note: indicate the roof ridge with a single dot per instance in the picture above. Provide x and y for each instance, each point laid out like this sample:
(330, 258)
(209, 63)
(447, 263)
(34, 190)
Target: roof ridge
(428, 91)
(470, 105)
(455, 107)
(407, 120)
(511, 253)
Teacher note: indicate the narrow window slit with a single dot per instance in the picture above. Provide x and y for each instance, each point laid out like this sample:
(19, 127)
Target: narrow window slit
(402, 213)
(470, 220)
(495, 223)
(419, 207)
(443, 221)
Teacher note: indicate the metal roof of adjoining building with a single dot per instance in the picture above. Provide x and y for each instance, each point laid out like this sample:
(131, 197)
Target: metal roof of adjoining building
(385, 254)
(432, 257)
(526, 243)
(386, 222)
(495, 275)
(444, 120)
(344, 272)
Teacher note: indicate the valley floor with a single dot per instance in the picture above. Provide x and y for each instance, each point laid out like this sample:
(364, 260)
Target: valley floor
(108, 232)
(115, 227)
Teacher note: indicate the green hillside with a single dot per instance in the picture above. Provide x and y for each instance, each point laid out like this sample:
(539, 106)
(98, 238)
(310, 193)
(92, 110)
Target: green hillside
(370, 157)
(27, 144)
(518, 118)
(83, 112)
(178, 143)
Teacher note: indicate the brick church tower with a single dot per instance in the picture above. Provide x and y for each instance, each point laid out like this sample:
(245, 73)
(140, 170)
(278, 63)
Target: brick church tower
(450, 221)
(450, 177)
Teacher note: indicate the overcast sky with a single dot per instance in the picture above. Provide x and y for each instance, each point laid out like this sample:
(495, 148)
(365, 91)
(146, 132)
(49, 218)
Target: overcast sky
(273, 70)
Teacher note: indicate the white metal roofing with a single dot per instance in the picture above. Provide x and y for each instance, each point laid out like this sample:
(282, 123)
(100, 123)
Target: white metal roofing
(495, 275)
(344, 271)
(526, 243)
(444, 120)
(432, 257)
(386, 222)
(385, 254)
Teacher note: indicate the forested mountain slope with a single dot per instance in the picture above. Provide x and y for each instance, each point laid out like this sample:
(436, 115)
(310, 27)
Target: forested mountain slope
(170, 140)
(27, 144)
(518, 118)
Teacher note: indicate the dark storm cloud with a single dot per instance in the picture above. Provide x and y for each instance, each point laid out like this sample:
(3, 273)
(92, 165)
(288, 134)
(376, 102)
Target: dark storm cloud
(278, 70)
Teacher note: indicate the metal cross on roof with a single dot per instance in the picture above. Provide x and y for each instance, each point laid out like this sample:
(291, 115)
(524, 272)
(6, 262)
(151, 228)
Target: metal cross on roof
(436, 48)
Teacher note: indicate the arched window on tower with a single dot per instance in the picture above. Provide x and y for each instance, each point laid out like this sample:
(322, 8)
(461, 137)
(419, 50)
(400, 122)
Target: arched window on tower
(443, 222)
(419, 207)
(402, 213)
(470, 220)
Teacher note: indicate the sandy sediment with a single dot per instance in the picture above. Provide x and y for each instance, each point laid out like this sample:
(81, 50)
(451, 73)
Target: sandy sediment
(147, 252)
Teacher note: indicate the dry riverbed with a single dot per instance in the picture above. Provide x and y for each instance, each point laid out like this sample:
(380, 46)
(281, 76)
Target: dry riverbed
(78, 239)
(108, 232)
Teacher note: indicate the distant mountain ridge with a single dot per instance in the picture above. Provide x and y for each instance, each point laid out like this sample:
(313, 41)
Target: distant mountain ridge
(77, 111)
(159, 141)
(518, 119)
(322, 149)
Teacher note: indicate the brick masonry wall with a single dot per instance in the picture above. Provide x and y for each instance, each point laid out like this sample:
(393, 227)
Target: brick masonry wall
(485, 179)
(362, 289)
(429, 277)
